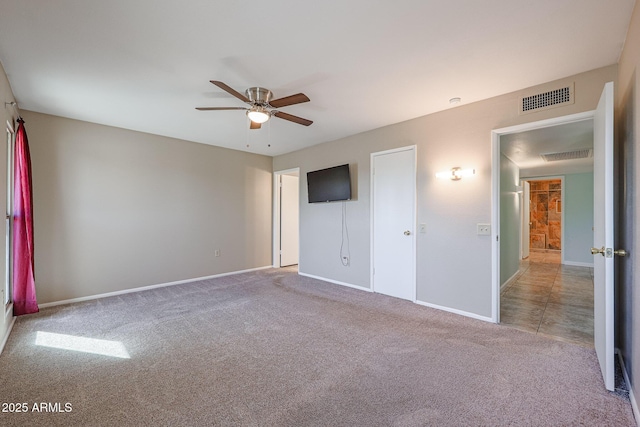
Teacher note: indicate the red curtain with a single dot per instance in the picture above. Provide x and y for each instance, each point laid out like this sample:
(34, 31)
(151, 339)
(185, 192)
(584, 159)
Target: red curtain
(24, 287)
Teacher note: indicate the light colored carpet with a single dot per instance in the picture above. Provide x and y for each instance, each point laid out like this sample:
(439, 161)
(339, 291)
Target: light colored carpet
(272, 348)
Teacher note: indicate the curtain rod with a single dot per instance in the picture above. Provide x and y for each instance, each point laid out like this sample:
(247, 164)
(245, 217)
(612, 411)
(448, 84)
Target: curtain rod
(14, 104)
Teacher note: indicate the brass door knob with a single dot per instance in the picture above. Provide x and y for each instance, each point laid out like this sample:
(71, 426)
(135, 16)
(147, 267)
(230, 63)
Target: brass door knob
(608, 252)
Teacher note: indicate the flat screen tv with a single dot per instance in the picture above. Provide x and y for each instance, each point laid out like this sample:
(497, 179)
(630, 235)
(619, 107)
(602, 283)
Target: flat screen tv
(329, 185)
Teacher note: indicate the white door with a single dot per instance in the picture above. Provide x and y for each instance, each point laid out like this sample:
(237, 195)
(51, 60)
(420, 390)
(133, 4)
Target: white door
(526, 218)
(289, 213)
(603, 298)
(393, 223)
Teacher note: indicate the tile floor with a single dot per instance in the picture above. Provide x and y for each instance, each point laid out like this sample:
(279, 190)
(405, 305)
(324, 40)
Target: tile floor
(550, 299)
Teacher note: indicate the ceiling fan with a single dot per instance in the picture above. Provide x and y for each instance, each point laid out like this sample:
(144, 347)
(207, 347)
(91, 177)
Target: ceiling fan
(261, 106)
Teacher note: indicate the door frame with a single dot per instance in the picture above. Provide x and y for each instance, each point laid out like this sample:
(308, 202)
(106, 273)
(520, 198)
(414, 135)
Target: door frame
(562, 190)
(10, 149)
(277, 213)
(7, 319)
(525, 219)
(414, 150)
(495, 193)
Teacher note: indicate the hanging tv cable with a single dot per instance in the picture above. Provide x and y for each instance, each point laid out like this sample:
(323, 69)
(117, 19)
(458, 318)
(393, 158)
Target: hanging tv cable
(345, 252)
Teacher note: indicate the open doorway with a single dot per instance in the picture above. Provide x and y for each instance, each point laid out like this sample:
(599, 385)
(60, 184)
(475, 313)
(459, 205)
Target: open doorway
(548, 288)
(543, 219)
(286, 203)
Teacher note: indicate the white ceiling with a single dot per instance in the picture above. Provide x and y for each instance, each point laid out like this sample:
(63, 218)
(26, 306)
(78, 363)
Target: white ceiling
(525, 148)
(146, 64)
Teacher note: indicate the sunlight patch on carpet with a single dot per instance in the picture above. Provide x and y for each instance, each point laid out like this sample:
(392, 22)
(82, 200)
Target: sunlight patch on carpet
(82, 344)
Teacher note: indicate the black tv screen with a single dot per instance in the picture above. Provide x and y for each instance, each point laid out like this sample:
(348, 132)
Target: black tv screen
(329, 185)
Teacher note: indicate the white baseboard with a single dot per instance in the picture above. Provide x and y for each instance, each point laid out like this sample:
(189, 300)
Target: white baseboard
(335, 282)
(456, 311)
(146, 288)
(426, 304)
(510, 280)
(578, 264)
(632, 397)
(7, 333)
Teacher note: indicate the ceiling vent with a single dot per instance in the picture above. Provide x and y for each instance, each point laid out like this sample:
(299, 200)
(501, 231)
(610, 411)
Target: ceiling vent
(568, 155)
(544, 101)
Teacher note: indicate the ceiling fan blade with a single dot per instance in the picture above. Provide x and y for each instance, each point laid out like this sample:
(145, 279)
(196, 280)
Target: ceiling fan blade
(230, 90)
(298, 98)
(292, 118)
(255, 125)
(219, 108)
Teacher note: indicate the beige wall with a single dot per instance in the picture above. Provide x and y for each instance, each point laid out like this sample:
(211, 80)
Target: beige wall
(454, 263)
(117, 209)
(627, 125)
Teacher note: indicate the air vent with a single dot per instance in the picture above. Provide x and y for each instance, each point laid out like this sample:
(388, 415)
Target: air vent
(567, 155)
(544, 101)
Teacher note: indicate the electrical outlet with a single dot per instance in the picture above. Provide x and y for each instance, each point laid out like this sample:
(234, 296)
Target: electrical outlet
(216, 252)
(484, 229)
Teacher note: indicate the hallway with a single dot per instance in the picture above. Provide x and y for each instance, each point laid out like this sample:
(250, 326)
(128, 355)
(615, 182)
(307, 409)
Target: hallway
(550, 299)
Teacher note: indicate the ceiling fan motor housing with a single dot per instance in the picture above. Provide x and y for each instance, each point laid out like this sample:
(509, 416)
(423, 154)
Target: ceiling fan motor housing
(259, 95)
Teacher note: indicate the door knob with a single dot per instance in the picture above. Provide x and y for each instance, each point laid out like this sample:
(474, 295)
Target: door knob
(608, 252)
(407, 233)
(620, 252)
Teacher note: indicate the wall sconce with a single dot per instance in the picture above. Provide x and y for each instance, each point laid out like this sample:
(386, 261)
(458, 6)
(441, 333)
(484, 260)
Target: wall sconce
(456, 174)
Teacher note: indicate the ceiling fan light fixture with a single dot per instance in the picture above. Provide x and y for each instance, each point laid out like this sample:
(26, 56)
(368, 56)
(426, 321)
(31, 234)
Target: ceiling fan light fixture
(258, 114)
